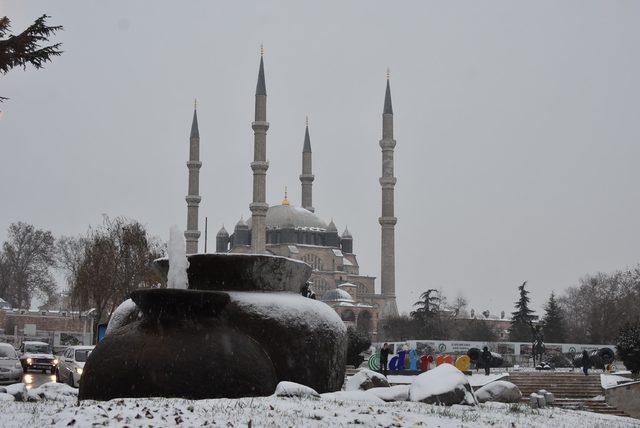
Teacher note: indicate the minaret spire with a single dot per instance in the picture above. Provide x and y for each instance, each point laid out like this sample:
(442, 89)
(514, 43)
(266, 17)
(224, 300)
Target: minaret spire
(259, 165)
(388, 108)
(307, 177)
(193, 198)
(388, 220)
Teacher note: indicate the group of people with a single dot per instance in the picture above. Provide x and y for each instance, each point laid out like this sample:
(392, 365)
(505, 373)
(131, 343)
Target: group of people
(484, 360)
(485, 357)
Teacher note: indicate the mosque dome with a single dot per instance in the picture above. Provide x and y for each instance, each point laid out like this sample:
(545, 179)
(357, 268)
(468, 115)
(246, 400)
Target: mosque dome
(287, 216)
(222, 233)
(337, 295)
(241, 224)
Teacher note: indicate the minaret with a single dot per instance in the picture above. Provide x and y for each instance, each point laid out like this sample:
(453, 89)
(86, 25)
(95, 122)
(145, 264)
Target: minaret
(193, 198)
(307, 177)
(259, 165)
(388, 220)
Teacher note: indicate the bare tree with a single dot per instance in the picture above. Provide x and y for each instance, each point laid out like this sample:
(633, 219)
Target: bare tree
(106, 265)
(70, 254)
(598, 307)
(26, 260)
(475, 329)
(459, 306)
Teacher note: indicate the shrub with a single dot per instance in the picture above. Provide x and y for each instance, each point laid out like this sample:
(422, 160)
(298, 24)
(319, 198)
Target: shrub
(557, 360)
(357, 343)
(628, 344)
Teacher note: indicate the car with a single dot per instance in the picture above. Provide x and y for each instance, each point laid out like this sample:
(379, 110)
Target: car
(37, 356)
(10, 367)
(71, 365)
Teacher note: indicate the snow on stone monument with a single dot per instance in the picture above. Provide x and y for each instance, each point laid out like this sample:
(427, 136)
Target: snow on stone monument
(178, 263)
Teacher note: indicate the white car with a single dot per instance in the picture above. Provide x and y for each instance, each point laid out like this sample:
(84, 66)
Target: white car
(71, 365)
(37, 356)
(10, 367)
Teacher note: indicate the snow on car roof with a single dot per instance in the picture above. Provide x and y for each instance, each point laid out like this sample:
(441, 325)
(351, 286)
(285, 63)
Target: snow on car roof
(34, 342)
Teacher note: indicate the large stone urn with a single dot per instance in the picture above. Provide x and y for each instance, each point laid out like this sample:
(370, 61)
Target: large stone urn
(239, 329)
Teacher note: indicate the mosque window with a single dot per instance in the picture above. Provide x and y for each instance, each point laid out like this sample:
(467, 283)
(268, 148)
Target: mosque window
(362, 289)
(313, 260)
(320, 286)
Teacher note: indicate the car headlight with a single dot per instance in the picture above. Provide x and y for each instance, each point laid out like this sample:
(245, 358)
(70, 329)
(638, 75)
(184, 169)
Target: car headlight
(79, 370)
(29, 360)
(55, 362)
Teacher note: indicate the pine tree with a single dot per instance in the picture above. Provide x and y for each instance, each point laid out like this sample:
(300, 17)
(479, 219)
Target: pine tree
(427, 314)
(25, 48)
(427, 306)
(553, 323)
(522, 318)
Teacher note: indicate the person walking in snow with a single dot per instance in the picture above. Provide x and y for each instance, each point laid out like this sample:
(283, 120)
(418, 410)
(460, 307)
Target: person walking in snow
(586, 362)
(486, 360)
(384, 358)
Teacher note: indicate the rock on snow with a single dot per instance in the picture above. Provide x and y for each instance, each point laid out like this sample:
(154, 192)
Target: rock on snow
(500, 391)
(292, 389)
(366, 379)
(391, 393)
(55, 391)
(19, 391)
(444, 384)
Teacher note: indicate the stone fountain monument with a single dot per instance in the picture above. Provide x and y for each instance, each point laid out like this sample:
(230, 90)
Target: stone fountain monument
(238, 329)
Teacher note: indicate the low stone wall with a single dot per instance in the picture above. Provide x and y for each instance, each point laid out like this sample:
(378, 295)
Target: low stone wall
(625, 397)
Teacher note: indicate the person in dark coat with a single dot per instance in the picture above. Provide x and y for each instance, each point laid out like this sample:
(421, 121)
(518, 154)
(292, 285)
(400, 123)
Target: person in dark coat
(384, 358)
(486, 360)
(306, 291)
(586, 362)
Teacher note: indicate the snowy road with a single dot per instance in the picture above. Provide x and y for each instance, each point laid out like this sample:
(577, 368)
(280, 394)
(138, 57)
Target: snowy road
(35, 379)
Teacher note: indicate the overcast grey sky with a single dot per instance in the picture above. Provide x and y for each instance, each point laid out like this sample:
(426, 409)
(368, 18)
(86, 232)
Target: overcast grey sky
(516, 123)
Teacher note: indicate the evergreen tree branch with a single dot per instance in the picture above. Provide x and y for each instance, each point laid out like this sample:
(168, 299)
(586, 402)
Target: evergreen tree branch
(26, 48)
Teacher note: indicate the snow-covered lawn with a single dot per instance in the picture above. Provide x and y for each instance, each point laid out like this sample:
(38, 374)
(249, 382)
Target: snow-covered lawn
(280, 411)
(475, 380)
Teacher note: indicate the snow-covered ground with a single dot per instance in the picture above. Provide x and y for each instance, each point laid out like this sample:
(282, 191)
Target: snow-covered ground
(611, 380)
(475, 380)
(279, 411)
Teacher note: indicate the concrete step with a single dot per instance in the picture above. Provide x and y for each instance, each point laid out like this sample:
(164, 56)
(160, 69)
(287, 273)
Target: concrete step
(562, 385)
(595, 406)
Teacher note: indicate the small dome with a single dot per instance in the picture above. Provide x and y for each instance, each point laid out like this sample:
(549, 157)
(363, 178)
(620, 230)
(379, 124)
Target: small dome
(222, 233)
(337, 295)
(241, 224)
(289, 216)
(347, 284)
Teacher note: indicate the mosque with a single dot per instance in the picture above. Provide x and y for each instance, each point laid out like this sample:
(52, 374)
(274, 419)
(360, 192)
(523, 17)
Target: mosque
(297, 232)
